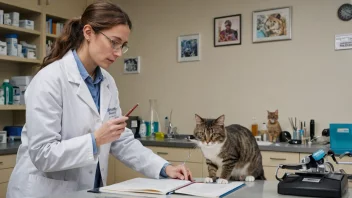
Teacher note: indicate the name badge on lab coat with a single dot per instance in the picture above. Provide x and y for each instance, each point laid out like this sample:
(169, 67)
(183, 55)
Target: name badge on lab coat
(112, 113)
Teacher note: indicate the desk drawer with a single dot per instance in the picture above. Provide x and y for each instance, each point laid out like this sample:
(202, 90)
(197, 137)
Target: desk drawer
(275, 158)
(3, 190)
(178, 154)
(5, 175)
(7, 161)
(269, 173)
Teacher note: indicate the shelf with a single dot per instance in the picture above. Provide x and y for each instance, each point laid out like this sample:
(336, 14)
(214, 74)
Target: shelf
(9, 29)
(53, 36)
(56, 18)
(12, 107)
(23, 9)
(19, 59)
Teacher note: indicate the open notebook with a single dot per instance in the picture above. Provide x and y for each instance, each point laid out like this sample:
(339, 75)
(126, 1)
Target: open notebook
(168, 186)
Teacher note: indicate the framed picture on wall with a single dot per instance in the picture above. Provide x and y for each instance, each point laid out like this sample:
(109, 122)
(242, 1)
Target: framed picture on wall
(188, 48)
(272, 24)
(132, 65)
(227, 30)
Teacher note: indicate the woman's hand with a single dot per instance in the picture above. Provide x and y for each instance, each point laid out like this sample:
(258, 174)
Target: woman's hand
(110, 131)
(179, 172)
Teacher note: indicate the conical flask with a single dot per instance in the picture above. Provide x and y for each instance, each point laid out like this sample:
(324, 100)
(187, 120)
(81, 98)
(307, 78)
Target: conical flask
(154, 125)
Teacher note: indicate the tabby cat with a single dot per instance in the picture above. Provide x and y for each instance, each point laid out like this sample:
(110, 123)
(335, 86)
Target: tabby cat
(274, 128)
(232, 148)
(275, 25)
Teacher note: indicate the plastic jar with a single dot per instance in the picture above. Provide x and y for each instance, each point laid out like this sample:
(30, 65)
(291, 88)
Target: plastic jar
(11, 43)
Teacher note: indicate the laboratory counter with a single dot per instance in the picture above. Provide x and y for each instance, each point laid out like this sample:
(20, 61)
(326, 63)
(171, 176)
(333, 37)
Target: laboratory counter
(263, 146)
(11, 148)
(257, 189)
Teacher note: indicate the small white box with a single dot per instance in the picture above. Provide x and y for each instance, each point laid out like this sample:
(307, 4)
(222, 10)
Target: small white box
(3, 48)
(28, 24)
(3, 136)
(20, 80)
(7, 20)
(19, 51)
(15, 18)
(1, 17)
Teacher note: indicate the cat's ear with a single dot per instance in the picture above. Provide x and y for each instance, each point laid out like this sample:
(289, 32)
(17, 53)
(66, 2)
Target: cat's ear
(220, 120)
(277, 112)
(199, 120)
(278, 16)
(268, 111)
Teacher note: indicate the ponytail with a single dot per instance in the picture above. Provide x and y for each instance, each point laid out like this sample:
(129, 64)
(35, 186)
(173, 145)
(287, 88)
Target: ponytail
(70, 38)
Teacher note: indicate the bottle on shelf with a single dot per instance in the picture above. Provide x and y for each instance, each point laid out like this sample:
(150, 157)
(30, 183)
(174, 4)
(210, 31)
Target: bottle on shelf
(8, 92)
(254, 126)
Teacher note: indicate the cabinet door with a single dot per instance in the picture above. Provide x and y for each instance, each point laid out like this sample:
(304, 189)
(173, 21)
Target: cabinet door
(28, 4)
(178, 154)
(269, 173)
(273, 159)
(3, 190)
(64, 8)
(7, 161)
(5, 175)
(123, 173)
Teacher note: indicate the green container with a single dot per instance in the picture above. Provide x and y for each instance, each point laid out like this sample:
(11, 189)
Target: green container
(8, 92)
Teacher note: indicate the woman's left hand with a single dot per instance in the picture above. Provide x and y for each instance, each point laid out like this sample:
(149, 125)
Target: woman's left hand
(179, 172)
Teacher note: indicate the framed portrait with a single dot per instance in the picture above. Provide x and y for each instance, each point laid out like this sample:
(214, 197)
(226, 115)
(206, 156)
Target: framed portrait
(132, 65)
(188, 48)
(272, 24)
(227, 30)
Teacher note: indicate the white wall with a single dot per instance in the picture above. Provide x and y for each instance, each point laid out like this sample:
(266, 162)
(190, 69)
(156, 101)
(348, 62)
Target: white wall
(304, 77)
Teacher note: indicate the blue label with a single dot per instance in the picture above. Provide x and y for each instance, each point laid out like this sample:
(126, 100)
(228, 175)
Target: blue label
(318, 155)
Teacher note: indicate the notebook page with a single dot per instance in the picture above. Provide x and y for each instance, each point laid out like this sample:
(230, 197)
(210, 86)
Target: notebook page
(157, 186)
(209, 189)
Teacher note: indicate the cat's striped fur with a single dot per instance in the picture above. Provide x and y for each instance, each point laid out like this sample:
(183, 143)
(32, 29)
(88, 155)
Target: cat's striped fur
(233, 149)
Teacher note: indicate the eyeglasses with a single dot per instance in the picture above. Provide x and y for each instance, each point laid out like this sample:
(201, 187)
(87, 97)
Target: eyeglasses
(117, 45)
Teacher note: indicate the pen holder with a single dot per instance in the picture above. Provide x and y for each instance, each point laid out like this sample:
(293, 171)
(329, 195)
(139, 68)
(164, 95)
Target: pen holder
(294, 135)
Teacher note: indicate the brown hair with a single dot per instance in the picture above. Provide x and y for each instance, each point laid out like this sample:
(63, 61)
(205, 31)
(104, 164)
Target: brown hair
(100, 15)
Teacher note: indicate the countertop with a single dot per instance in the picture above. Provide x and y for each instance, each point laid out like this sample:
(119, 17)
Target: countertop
(280, 147)
(257, 189)
(11, 148)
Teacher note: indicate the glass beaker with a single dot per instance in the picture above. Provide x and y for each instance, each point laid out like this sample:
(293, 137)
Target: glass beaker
(154, 125)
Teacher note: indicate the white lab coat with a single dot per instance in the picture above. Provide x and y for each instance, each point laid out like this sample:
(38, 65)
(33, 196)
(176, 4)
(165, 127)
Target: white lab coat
(56, 154)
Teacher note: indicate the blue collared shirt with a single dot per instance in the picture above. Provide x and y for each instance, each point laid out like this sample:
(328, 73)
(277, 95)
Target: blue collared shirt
(94, 89)
(93, 86)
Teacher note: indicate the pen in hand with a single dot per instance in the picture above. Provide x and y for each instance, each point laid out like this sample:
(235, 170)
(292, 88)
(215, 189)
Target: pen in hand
(131, 110)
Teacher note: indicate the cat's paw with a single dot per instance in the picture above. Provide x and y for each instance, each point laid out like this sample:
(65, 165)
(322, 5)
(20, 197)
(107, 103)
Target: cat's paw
(208, 180)
(222, 181)
(250, 179)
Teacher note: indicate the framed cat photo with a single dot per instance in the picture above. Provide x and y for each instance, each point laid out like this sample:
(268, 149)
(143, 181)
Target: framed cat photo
(227, 30)
(272, 24)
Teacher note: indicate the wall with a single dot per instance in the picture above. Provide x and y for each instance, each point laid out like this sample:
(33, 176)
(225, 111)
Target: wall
(303, 77)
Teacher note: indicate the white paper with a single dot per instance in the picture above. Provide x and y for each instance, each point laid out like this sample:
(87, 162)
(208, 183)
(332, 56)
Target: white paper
(209, 189)
(343, 41)
(145, 185)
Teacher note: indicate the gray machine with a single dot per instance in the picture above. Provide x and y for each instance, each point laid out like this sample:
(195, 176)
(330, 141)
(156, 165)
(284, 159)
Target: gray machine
(315, 177)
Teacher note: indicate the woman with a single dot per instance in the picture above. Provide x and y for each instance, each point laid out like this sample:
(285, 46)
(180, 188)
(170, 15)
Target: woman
(73, 116)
